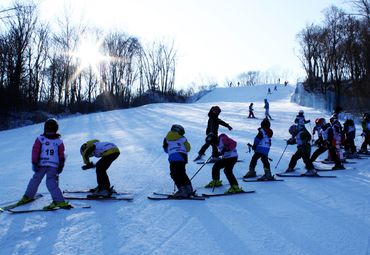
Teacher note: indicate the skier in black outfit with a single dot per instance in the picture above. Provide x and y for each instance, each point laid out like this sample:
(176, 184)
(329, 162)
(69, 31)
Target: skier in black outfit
(212, 132)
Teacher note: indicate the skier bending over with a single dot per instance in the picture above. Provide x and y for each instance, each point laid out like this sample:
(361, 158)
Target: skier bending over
(107, 152)
(302, 138)
(177, 147)
(227, 150)
(47, 159)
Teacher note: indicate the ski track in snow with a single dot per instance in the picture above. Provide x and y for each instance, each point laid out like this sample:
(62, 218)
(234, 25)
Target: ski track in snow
(297, 216)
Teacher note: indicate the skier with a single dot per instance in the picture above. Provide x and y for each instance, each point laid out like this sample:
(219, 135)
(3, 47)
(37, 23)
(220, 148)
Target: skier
(107, 152)
(300, 119)
(337, 135)
(319, 122)
(365, 123)
(349, 130)
(251, 114)
(261, 147)
(267, 109)
(227, 150)
(269, 91)
(302, 138)
(47, 159)
(177, 147)
(212, 133)
(326, 143)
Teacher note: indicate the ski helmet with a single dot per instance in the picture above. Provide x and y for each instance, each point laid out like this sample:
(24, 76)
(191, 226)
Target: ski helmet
(216, 109)
(265, 123)
(178, 128)
(301, 112)
(83, 148)
(293, 130)
(51, 126)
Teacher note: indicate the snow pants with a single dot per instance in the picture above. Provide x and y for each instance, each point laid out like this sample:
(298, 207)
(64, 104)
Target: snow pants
(227, 164)
(366, 142)
(251, 114)
(304, 154)
(202, 150)
(321, 150)
(265, 161)
(178, 174)
(101, 170)
(51, 183)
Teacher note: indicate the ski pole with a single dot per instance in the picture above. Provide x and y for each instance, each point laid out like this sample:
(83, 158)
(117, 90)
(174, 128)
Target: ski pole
(281, 156)
(205, 162)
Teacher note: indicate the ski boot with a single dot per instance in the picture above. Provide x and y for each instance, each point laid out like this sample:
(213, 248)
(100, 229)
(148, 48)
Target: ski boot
(289, 170)
(250, 174)
(214, 183)
(311, 172)
(56, 205)
(234, 189)
(267, 176)
(24, 200)
(338, 167)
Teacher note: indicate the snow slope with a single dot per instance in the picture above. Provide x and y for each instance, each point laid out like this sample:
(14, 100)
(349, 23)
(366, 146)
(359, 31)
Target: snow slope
(297, 216)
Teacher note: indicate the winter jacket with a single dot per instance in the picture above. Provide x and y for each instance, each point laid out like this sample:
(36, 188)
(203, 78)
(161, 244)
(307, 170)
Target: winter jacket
(227, 146)
(213, 124)
(176, 146)
(302, 139)
(300, 120)
(365, 124)
(98, 149)
(48, 150)
(349, 129)
(262, 141)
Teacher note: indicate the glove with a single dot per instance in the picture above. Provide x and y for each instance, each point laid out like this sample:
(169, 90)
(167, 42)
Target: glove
(230, 128)
(254, 147)
(60, 170)
(290, 141)
(34, 168)
(88, 166)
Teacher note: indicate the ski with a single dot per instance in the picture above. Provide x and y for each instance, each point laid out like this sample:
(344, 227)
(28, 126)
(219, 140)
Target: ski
(84, 206)
(256, 180)
(99, 198)
(162, 196)
(87, 191)
(329, 169)
(211, 162)
(309, 176)
(326, 162)
(228, 194)
(14, 205)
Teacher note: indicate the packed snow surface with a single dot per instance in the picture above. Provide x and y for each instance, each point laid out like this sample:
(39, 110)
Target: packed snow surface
(297, 216)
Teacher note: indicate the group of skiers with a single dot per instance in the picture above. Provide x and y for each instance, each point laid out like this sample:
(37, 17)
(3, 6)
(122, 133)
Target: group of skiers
(48, 159)
(48, 154)
(266, 107)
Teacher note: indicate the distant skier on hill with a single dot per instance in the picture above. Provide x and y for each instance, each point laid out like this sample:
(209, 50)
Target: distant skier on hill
(267, 109)
(177, 147)
(229, 157)
(261, 147)
(47, 159)
(212, 133)
(302, 138)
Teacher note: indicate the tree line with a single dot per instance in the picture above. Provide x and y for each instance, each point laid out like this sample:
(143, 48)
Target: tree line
(336, 53)
(39, 68)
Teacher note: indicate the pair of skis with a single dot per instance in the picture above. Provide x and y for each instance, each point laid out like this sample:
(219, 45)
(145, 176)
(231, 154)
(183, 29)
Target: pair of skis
(116, 195)
(163, 196)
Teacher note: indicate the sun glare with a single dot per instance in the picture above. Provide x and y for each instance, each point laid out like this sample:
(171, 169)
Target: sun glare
(89, 54)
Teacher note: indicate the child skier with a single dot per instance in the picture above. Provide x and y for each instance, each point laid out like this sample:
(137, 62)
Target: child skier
(47, 159)
(319, 123)
(227, 150)
(302, 138)
(177, 147)
(300, 119)
(365, 123)
(261, 147)
(107, 152)
(349, 130)
(338, 136)
(212, 133)
(267, 109)
(326, 143)
(251, 114)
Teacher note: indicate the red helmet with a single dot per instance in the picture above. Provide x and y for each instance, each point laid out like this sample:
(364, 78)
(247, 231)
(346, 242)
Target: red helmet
(320, 121)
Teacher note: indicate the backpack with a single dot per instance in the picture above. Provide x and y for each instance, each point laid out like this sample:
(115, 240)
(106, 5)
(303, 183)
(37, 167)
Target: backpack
(229, 144)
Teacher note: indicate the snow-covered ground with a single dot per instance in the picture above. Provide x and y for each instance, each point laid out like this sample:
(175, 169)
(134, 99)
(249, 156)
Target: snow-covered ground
(297, 216)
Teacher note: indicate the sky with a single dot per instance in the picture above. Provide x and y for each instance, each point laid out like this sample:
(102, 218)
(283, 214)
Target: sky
(297, 216)
(216, 40)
